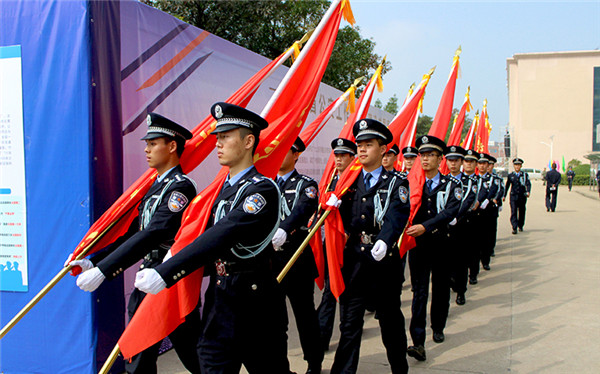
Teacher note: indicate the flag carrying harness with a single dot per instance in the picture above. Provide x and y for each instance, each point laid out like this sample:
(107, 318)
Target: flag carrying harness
(379, 209)
(285, 210)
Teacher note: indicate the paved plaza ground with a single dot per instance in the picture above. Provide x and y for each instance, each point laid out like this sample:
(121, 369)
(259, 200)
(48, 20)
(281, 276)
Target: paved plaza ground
(536, 311)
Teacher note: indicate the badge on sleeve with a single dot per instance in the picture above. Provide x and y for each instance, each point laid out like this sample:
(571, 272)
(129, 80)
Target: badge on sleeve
(458, 193)
(254, 203)
(403, 194)
(311, 192)
(177, 201)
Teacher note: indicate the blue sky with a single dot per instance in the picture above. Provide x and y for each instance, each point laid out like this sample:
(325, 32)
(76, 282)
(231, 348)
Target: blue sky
(417, 35)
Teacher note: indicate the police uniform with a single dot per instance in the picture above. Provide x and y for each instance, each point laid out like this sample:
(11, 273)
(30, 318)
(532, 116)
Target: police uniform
(409, 152)
(570, 177)
(149, 237)
(244, 312)
(439, 206)
(326, 309)
(370, 214)
(553, 179)
(299, 203)
(394, 150)
(521, 187)
(493, 184)
(460, 229)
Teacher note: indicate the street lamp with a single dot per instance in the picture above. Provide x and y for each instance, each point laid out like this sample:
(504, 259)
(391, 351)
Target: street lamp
(551, 145)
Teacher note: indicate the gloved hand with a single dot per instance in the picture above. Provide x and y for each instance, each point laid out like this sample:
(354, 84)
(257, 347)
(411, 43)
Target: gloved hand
(485, 203)
(90, 280)
(84, 264)
(279, 238)
(379, 250)
(168, 256)
(453, 222)
(333, 201)
(149, 281)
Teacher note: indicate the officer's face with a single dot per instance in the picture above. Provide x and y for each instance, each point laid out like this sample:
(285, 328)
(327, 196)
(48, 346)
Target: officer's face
(409, 162)
(342, 160)
(430, 160)
(469, 166)
(232, 148)
(517, 167)
(370, 153)
(490, 167)
(482, 166)
(158, 152)
(454, 165)
(389, 160)
(289, 162)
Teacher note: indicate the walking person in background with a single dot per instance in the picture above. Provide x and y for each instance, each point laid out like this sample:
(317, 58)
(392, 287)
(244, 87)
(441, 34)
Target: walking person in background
(570, 177)
(552, 181)
(521, 188)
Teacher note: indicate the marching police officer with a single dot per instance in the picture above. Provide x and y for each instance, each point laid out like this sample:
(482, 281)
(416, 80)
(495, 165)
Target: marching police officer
(553, 178)
(150, 236)
(344, 152)
(496, 191)
(374, 211)
(462, 225)
(409, 154)
(520, 187)
(390, 158)
(440, 203)
(244, 311)
(299, 203)
(570, 177)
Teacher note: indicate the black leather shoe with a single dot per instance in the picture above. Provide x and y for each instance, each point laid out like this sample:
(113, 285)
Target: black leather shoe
(460, 299)
(438, 336)
(473, 280)
(521, 229)
(314, 369)
(514, 232)
(417, 352)
(486, 267)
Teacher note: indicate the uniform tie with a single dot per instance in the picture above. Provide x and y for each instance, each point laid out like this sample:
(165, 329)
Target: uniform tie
(280, 182)
(368, 177)
(429, 183)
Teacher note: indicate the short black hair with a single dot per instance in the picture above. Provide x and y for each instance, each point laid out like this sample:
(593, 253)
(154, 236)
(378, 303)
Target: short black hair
(244, 132)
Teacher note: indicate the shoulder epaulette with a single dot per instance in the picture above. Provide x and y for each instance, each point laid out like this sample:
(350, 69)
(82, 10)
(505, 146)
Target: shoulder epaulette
(453, 179)
(306, 177)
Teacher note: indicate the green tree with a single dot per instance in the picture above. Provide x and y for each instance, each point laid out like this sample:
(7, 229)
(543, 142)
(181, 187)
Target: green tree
(423, 125)
(392, 105)
(270, 27)
(378, 104)
(574, 163)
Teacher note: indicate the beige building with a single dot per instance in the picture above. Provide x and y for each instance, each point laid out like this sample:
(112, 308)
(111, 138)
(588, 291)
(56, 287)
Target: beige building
(551, 106)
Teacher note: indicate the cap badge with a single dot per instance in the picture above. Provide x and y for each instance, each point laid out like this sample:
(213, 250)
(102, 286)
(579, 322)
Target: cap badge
(425, 140)
(453, 149)
(362, 125)
(218, 111)
(149, 120)
(340, 142)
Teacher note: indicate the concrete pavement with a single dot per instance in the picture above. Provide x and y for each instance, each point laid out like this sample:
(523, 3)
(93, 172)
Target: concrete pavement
(536, 311)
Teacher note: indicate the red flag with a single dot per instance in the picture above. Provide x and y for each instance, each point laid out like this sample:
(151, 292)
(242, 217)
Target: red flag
(286, 112)
(457, 128)
(469, 139)
(483, 131)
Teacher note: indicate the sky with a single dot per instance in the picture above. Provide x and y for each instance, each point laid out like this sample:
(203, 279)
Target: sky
(417, 35)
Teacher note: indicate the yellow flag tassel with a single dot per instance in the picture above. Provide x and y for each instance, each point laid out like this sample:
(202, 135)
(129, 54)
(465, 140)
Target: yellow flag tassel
(347, 12)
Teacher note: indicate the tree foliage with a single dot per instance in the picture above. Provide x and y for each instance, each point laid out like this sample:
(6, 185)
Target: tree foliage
(392, 105)
(270, 27)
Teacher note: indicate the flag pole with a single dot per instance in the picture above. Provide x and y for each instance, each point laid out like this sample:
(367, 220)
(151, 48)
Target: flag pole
(110, 360)
(51, 284)
(304, 244)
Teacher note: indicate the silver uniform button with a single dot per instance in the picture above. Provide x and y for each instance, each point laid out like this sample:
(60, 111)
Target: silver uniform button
(362, 216)
(364, 199)
(254, 287)
(218, 282)
(141, 266)
(183, 272)
(174, 277)
(179, 275)
(362, 249)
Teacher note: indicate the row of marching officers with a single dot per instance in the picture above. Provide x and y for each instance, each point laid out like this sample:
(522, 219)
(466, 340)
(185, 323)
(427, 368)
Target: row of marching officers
(257, 223)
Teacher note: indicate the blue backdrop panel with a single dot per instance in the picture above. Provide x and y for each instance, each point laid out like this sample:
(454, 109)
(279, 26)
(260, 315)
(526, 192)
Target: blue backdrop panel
(56, 336)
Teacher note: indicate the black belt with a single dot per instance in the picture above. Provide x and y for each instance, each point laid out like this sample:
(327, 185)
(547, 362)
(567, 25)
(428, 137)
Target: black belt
(226, 268)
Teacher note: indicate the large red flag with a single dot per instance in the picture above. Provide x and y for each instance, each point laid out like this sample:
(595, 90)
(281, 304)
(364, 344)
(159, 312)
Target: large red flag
(116, 220)
(457, 128)
(444, 111)
(286, 113)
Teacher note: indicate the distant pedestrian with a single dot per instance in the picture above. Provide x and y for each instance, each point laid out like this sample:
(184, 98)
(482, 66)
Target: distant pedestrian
(552, 181)
(570, 177)
(598, 180)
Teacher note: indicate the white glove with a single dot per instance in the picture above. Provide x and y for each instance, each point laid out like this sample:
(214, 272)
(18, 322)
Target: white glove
(379, 250)
(168, 256)
(90, 280)
(149, 281)
(333, 201)
(453, 222)
(485, 203)
(279, 238)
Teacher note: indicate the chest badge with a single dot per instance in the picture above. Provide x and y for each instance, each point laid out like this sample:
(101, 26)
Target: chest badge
(403, 194)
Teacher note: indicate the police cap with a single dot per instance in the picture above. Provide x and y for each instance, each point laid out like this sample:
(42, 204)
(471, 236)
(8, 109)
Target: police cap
(159, 127)
(428, 143)
(230, 116)
(298, 145)
(341, 145)
(518, 161)
(455, 152)
(394, 149)
(492, 159)
(471, 155)
(484, 157)
(367, 128)
(409, 152)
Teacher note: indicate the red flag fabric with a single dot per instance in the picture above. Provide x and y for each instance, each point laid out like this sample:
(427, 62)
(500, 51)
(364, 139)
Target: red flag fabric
(117, 219)
(457, 128)
(286, 113)
(444, 112)
(483, 131)
(468, 143)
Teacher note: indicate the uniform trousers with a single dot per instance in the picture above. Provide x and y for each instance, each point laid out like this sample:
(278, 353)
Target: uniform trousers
(474, 240)
(429, 258)
(517, 211)
(244, 324)
(551, 197)
(490, 228)
(459, 248)
(184, 339)
(376, 286)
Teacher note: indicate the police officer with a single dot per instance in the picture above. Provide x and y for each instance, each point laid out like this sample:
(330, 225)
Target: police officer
(374, 210)
(150, 236)
(299, 203)
(496, 192)
(344, 152)
(521, 188)
(474, 216)
(461, 226)
(552, 182)
(409, 154)
(440, 203)
(244, 312)
(570, 177)
(390, 158)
